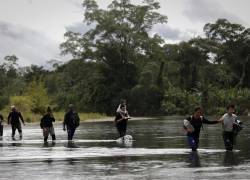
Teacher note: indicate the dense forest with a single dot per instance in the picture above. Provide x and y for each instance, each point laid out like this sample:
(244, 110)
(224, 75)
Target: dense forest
(119, 59)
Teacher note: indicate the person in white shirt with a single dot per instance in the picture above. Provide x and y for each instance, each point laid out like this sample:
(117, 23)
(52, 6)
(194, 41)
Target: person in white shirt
(228, 120)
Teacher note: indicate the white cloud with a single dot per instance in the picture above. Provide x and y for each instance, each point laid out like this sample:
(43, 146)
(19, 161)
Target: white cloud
(206, 11)
(30, 46)
(34, 29)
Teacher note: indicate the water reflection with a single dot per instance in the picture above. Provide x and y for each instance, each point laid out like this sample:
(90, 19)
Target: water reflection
(230, 158)
(71, 144)
(127, 144)
(194, 159)
(17, 144)
(49, 144)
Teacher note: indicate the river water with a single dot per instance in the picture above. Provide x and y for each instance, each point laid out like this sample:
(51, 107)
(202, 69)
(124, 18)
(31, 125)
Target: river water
(159, 151)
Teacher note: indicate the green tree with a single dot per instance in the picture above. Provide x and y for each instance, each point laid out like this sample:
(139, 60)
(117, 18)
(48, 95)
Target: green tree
(231, 42)
(119, 42)
(38, 96)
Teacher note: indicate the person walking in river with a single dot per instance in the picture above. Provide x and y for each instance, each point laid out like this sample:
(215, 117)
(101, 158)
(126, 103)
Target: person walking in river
(193, 125)
(121, 120)
(14, 119)
(46, 125)
(228, 120)
(71, 121)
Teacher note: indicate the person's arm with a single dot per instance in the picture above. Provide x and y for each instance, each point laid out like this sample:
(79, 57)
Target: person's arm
(64, 122)
(205, 121)
(21, 117)
(1, 118)
(127, 116)
(119, 117)
(78, 118)
(52, 118)
(42, 122)
(9, 118)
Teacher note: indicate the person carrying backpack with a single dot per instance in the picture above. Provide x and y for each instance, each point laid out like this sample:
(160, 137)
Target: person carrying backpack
(71, 121)
(192, 126)
(46, 125)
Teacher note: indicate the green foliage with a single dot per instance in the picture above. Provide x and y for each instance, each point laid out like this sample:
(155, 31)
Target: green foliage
(145, 100)
(119, 41)
(38, 96)
(220, 98)
(22, 103)
(178, 101)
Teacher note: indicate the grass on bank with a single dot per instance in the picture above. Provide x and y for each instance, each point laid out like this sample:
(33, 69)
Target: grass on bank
(59, 116)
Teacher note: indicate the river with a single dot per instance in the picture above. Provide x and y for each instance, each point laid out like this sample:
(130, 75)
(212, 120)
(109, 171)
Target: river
(158, 151)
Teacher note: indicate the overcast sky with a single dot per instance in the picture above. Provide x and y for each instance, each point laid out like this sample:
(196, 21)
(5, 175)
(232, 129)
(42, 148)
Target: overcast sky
(33, 29)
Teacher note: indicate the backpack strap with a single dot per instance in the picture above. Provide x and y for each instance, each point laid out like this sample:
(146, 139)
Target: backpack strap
(202, 122)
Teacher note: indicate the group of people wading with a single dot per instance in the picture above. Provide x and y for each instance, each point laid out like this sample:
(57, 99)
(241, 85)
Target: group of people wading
(70, 123)
(230, 125)
(192, 124)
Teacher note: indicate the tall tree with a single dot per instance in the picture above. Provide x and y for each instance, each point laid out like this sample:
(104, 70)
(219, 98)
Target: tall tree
(119, 41)
(233, 42)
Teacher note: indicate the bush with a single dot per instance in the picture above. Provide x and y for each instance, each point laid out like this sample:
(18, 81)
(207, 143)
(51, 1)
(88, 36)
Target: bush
(178, 101)
(23, 103)
(220, 98)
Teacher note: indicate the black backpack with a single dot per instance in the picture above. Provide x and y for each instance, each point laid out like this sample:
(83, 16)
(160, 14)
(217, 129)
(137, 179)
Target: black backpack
(75, 119)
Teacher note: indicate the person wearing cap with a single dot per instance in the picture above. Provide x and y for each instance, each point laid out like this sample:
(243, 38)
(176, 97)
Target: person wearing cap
(14, 119)
(71, 121)
(46, 125)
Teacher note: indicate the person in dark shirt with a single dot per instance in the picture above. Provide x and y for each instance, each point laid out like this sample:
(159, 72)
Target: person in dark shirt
(121, 120)
(196, 120)
(1, 126)
(47, 125)
(14, 119)
(71, 121)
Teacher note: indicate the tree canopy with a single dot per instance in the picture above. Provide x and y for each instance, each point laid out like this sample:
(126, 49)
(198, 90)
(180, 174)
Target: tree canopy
(119, 59)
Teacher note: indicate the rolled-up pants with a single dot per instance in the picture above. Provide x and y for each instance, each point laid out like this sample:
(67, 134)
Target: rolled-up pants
(49, 131)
